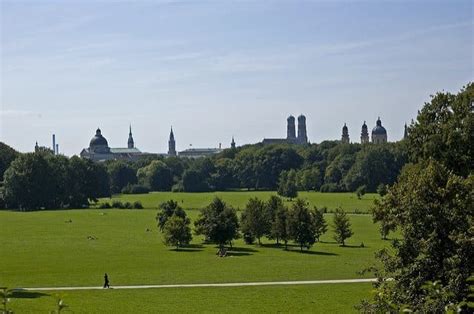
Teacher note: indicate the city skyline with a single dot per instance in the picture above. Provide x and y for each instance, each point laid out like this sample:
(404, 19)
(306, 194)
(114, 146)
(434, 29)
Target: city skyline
(216, 70)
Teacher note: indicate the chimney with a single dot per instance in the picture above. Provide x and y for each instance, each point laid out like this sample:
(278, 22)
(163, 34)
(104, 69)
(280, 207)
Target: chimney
(54, 144)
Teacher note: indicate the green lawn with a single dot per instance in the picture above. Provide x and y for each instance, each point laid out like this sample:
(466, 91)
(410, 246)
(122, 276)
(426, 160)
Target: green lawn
(334, 298)
(238, 199)
(41, 249)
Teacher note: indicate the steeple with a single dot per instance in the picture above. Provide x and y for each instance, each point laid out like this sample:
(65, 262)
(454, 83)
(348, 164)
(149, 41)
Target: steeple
(232, 144)
(171, 144)
(345, 134)
(36, 147)
(405, 133)
(130, 143)
(364, 135)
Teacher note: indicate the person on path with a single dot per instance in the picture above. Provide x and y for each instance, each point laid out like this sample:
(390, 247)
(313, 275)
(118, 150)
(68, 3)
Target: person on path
(106, 281)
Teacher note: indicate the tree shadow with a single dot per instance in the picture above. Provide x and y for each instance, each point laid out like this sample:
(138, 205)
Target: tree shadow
(238, 254)
(354, 246)
(279, 246)
(242, 249)
(313, 252)
(24, 294)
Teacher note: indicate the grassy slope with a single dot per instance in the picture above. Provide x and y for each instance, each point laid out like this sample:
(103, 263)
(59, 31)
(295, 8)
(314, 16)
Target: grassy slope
(41, 248)
(347, 201)
(296, 299)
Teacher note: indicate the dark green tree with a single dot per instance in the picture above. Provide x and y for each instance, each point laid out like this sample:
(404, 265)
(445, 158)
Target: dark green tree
(320, 225)
(121, 174)
(7, 155)
(342, 227)
(255, 220)
(280, 228)
(287, 184)
(166, 210)
(218, 223)
(176, 231)
(156, 176)
(301, 225)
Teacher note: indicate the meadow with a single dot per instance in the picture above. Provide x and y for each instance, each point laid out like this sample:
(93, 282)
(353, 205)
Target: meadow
(347, 201)
(76, 247)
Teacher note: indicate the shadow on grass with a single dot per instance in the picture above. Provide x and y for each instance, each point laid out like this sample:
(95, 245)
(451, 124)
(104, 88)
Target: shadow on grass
(354, 246)
(313, 252)
(241, 251)
(23, 294)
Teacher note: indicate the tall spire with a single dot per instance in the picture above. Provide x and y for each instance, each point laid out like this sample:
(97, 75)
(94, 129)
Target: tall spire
(405, 133)
(345, 134)
(130, 142)
(171, 144)
(232, 144)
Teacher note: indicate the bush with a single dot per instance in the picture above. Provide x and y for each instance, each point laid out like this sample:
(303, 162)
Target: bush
(137, 205)
(135, 189)
(323, 210)
(248, 238)
(117, 204)
(105, 205)
(178, 187)
(361, 190)
(128, 205)
(330, 188)
(382, 190)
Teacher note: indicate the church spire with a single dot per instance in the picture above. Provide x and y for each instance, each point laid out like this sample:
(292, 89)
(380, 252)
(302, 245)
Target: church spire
(232, 144)
(171, 144)
(130, 142)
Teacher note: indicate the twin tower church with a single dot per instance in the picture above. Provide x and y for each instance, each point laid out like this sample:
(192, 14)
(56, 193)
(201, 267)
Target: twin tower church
(99, 149)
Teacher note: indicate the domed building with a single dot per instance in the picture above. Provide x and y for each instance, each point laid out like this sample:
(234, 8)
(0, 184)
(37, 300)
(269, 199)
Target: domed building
(379, 134)
(99, 149)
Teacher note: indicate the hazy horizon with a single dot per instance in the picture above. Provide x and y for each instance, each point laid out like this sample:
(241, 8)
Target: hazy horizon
(217, 69)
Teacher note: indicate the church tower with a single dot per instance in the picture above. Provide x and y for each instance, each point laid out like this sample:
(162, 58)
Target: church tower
(130, 142)
(171, 144)
(302, 135)
(364, 135)
(232, 144)
(405, 133)
(291, 129)
(345, 134)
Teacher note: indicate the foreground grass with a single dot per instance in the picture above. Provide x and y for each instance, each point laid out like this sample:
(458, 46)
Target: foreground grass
(335, 298)
(45, 249)
(238, 199)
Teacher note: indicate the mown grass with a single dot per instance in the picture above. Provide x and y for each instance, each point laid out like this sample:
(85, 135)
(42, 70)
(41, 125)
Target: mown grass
(334, 298)
(238, 199)
(45, 249)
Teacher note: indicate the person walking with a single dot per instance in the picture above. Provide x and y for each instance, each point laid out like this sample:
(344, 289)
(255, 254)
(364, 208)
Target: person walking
(106, 281)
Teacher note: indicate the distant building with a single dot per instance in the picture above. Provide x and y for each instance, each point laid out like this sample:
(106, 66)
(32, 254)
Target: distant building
(379, 134)
(171, 144)
(291, 137)
(405, 132)
(345, 134)
(232, 144)
(364, 135)
(199, 152)
(99, 149)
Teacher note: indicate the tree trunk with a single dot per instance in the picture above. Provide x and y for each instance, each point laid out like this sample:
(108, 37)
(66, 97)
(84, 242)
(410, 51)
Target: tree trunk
(259, 243)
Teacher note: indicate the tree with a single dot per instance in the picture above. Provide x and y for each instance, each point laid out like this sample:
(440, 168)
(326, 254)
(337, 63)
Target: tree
(218, 222)
(444, 131)
(287, 184)
(320, 225)
(121, 174)
(432, 208)
(176, 231)
(168, 209)
(280, 228)
(301, 224)
(342, 227)
(361, 191)
(7, 155)
(156, 176)
(255, 220)
(194, 181)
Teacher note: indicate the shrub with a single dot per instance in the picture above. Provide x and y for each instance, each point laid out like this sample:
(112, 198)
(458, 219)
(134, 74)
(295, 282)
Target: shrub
(361, 191)
(105, 205)
(137, 205)
(128, 205)
(248, 238)
(178, 187)
(117, 204)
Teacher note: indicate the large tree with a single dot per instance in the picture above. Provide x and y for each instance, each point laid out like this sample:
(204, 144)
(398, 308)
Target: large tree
(176, 231)
(433, 209)
(280, 229)
(121, 174)
(156, 176)
(218, 223)
(255, 220)
(168, 209)
(301, 224)
(7, 155)
(342, 227)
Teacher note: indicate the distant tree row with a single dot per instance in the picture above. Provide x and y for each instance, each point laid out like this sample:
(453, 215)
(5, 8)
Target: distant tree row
(327, 167)
(219, 223)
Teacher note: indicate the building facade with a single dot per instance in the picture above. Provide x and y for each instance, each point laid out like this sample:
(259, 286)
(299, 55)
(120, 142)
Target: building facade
(379, 134)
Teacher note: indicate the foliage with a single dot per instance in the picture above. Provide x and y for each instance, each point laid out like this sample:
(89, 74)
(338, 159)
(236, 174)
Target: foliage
(280, 228)
(168, 209)
(432, 208)
(7, 156)
(255, 219)
(287, 184)
(176, 231)
(342, 227)
(320, 225)
(135, 189)
(156, 176)
(194, 181)
(218, 222)
(121, 175)
(361, 190)
(301, 225)
(444, 131)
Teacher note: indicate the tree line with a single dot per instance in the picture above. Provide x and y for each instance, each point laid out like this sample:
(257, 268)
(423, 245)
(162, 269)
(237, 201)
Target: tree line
(220, 224)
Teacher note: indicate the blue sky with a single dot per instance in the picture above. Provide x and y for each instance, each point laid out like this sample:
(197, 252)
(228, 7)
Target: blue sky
(214, 69)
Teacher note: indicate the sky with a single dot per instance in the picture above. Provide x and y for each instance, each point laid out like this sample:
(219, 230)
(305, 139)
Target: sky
(216, 69)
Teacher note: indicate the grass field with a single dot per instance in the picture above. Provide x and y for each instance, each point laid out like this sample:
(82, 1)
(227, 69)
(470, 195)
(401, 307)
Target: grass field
(238, 199)
(51, 248)
(337, 298)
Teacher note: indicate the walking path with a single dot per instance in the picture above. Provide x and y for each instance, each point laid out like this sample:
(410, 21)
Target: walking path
(205, 285)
